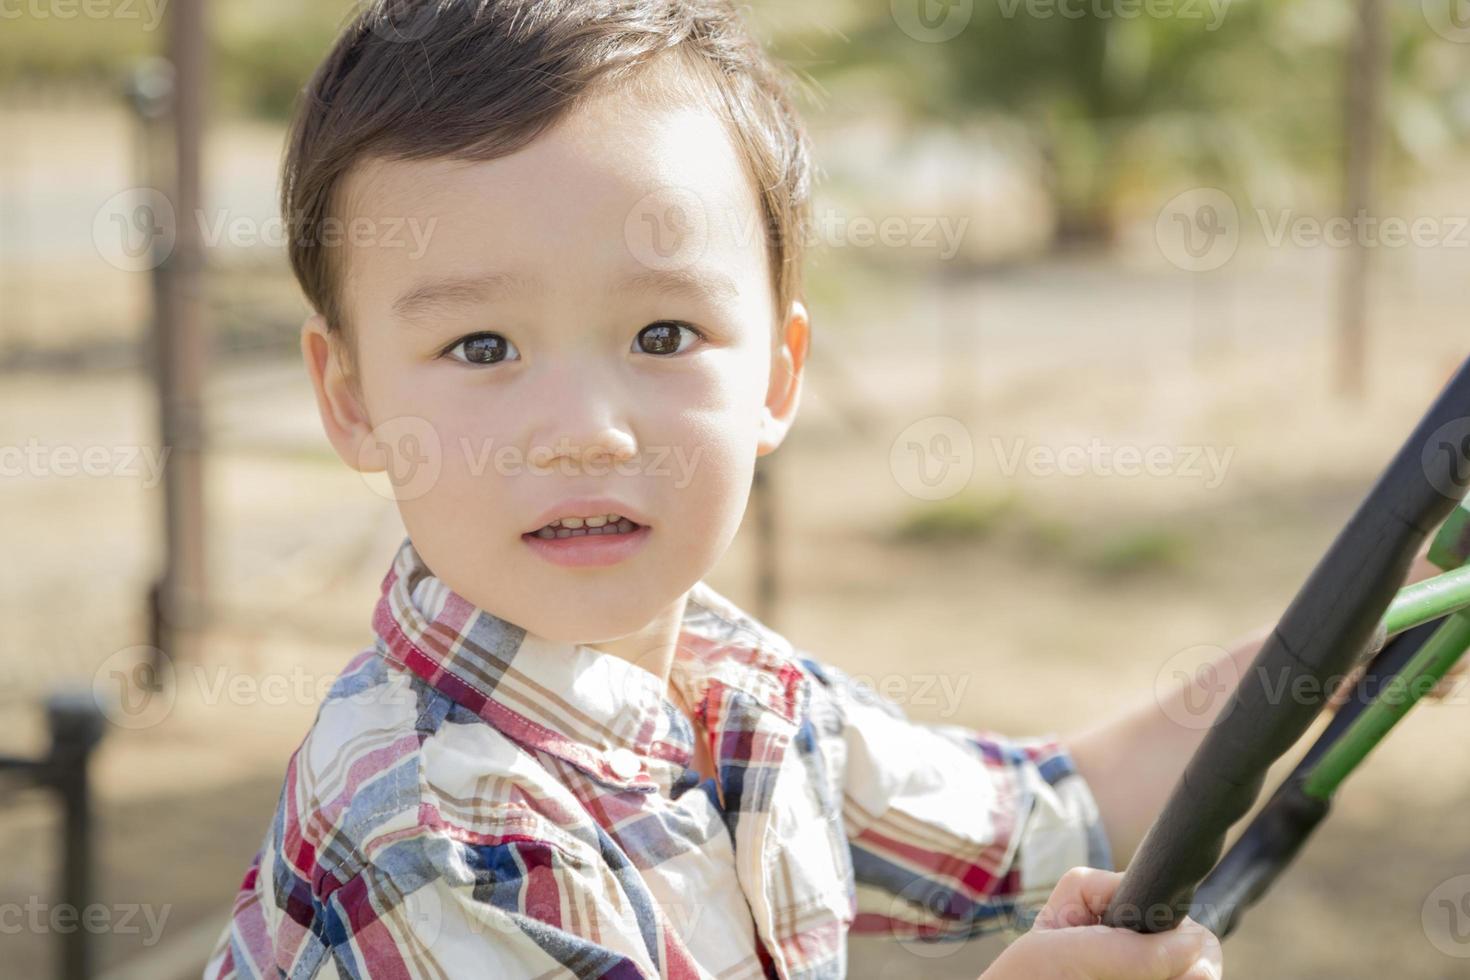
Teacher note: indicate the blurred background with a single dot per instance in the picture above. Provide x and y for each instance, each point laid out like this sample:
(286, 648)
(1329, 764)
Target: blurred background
(1119, 307)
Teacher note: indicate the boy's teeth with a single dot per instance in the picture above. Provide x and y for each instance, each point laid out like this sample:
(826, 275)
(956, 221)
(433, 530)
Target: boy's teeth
(575, 522)
(574, 527)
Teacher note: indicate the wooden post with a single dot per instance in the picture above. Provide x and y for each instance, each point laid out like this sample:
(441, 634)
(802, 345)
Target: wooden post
(1364, 70)
(959, 330)
(180, 346)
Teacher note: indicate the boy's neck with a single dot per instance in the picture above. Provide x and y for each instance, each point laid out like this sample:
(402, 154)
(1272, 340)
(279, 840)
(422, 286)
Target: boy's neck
(651, 647)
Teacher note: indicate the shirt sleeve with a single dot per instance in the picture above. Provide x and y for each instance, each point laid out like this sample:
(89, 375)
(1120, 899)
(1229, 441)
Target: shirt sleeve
(954, 832)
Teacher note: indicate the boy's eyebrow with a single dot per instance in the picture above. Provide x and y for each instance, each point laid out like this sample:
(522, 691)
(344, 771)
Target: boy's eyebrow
(454, 291)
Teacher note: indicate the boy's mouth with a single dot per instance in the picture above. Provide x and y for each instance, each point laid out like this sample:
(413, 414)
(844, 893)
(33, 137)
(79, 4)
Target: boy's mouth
(588, 539)
(595, 525)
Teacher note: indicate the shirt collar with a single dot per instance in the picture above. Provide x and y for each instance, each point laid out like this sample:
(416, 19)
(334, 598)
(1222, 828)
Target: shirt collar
(586, 707)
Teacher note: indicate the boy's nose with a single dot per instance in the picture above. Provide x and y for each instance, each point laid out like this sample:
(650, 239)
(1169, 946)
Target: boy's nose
(582, 421)
(599, 446)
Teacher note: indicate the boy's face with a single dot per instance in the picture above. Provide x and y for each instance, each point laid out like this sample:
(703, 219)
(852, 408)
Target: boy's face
(585, 327)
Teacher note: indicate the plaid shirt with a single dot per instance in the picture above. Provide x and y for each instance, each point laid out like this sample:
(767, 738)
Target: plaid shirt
(474, 800)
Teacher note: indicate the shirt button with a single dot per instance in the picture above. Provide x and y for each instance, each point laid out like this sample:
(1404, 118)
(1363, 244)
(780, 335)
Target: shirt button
(624, 763)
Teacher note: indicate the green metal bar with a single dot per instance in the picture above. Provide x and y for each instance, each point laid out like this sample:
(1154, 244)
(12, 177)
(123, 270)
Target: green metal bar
(1428, 600)
(1402, 692)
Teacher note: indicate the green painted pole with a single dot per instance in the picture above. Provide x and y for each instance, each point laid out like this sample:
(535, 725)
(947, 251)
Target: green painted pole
(1434, 659)
(1428, 600)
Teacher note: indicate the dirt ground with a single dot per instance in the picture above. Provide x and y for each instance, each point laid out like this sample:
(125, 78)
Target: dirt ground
(1038, 601)
(1028, 622)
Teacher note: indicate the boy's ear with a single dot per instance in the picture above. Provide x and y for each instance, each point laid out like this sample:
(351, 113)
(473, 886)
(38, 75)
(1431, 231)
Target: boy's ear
(344, 417)
(784, 394)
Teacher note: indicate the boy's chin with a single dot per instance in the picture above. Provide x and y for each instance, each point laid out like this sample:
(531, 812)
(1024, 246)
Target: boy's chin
(597, 625)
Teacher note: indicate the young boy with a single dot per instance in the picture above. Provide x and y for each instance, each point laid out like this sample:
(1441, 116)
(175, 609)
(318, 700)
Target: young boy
(564, 753)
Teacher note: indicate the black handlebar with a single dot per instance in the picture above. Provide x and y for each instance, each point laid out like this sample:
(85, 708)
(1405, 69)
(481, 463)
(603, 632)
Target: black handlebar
(1281, 828)
(1324, 632)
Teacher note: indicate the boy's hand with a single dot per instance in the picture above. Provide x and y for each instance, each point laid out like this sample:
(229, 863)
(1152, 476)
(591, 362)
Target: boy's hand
(1067, 942)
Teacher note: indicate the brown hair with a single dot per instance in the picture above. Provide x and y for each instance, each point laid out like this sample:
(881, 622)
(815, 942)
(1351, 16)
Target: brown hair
(479, 79)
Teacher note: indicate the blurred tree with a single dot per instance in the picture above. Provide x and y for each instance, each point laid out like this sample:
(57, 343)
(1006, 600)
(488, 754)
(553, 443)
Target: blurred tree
(1122, 101)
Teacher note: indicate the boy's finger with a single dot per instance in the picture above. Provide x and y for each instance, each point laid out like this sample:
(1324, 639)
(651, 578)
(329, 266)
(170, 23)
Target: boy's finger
(1101, 953)
(1422, 568)
(1210, 964)
(1079, 899)
(1344, 691)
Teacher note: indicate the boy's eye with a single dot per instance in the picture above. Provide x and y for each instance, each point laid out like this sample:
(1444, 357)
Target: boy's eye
(664, 337)
(484, 348)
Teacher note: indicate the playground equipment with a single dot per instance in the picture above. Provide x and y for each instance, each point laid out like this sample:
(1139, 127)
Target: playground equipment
(76, 728)
(1350, 610)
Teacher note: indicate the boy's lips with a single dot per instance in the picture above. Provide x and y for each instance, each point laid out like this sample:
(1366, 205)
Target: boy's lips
(590, 550)
(592, 531)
